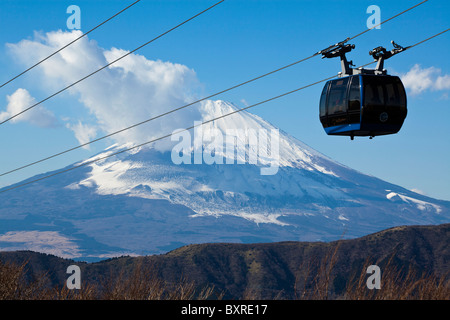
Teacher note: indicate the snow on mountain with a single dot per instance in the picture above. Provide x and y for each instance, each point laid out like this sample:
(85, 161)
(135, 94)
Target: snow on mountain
(148, 201)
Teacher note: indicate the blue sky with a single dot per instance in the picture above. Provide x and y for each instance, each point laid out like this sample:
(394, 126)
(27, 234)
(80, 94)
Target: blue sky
(236, 41)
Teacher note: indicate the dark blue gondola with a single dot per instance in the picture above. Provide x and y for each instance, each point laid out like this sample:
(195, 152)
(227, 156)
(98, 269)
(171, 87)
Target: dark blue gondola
(362, 102)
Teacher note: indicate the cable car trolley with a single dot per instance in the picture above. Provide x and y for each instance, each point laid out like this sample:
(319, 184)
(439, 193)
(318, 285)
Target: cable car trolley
(362, 102)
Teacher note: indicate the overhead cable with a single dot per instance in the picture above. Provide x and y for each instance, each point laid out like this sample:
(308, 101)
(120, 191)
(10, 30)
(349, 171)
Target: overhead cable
(96, 159)
(186, 105)
(109, 64)
(70, 43)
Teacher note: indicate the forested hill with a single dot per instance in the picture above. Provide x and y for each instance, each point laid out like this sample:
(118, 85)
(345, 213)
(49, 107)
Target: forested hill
(269, 270)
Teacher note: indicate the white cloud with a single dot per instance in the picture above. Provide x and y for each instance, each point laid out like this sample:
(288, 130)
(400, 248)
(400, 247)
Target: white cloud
(418, 191)
(83, 132)
(418, 80)
(443, 83)
(19, 101)
(244, 102)
(130, 91)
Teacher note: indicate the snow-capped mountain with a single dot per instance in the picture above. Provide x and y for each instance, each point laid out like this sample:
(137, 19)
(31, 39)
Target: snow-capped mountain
(193, 189)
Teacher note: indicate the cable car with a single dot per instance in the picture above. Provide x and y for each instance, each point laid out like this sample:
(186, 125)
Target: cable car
(363, 105)
(362, 102)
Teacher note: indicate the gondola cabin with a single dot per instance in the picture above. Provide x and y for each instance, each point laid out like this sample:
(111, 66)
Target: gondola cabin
(363, 105)
(362, 102)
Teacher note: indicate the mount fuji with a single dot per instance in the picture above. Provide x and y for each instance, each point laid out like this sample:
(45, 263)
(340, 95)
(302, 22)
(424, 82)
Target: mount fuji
(142, 202)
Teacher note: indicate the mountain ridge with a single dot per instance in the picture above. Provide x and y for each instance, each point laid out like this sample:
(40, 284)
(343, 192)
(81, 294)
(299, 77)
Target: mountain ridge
(141, 202)
(269, 270)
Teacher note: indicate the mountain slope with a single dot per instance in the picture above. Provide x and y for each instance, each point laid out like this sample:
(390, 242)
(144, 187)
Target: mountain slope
(269, 270)
(141, 202)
